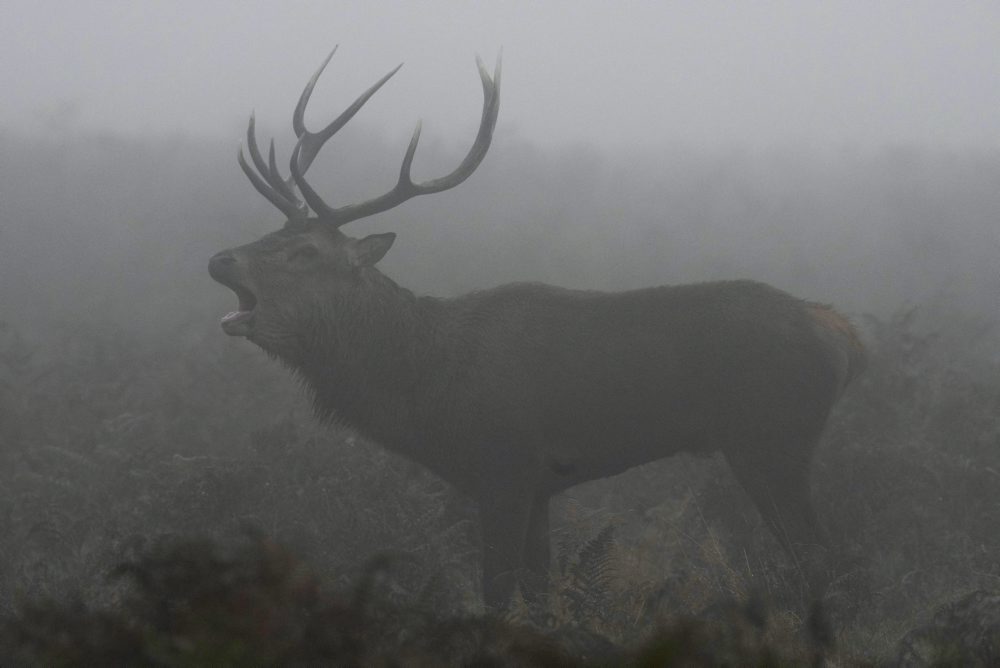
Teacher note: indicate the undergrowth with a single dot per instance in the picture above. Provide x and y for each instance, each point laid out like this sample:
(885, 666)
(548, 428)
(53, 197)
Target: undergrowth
(114, 449)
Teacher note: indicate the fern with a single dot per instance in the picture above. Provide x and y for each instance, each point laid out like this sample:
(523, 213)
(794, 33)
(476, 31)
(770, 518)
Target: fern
(588, 575)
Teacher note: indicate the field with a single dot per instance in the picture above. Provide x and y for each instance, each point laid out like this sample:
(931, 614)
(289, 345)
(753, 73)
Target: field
(129, 424)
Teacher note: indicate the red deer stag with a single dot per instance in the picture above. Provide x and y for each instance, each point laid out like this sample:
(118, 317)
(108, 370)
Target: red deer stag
(517, 393)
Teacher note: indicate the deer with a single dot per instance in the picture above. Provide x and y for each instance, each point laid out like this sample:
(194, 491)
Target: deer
(516, 393)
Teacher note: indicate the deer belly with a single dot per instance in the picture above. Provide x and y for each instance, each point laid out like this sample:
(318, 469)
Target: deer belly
(613, 437)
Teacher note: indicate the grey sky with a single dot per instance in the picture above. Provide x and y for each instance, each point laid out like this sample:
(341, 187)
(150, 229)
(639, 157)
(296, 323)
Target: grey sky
(819, 74)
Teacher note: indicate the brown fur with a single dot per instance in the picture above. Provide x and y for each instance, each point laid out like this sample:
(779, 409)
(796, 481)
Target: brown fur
(517, 393)
(841, 336)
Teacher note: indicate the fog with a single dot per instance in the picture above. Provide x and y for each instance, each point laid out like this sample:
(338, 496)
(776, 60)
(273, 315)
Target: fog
(701, 73)
(659, 143)
(846, 152)
(115, 228)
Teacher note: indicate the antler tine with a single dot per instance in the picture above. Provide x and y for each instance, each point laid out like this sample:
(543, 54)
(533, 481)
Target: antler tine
(290, 209)
(298, 123)
(284, 186)
(312, 142)
(258, 159)
(269, 173)
(271, 177)
(491, 108)
(311, 196)
(405, 188)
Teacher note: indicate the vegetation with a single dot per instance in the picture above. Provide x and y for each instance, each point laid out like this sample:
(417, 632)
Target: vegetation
(139, 446)
(112, 458)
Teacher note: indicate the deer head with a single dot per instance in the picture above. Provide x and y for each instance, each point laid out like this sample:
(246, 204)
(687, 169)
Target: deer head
(288, 281)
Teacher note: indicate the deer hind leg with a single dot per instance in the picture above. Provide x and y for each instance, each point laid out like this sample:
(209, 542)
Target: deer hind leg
(777, 480)
(537, 550)
(515, 546)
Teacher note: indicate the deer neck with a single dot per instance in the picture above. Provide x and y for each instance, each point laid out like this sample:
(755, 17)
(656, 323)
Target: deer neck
(367, 357)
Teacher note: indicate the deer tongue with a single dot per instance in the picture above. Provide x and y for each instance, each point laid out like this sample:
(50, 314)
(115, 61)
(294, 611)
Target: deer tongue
(237, 323)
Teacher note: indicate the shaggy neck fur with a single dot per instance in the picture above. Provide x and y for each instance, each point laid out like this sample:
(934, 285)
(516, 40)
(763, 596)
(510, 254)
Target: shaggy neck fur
(367, 355)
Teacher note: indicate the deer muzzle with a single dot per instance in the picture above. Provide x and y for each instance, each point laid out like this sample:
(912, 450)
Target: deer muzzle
(223, 267)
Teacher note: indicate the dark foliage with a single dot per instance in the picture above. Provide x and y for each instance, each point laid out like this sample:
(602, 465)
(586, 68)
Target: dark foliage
(962, 633)
(194, 604)
(587, 580)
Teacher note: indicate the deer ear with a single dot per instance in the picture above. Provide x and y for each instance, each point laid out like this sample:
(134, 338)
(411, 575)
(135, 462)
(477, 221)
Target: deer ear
(366, 252)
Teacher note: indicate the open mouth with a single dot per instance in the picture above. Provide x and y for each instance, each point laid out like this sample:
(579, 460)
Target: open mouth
(224, 267)
(240, 322)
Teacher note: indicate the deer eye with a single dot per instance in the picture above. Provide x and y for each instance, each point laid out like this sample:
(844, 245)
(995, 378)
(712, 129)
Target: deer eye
(303, 253)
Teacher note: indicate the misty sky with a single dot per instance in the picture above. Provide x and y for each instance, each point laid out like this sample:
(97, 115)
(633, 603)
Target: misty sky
(813, 74)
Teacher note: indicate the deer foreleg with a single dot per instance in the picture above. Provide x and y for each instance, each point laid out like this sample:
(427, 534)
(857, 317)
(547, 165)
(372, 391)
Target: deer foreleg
(515, 545)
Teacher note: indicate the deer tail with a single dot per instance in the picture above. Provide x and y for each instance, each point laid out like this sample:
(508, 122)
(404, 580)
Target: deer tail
(842, 339)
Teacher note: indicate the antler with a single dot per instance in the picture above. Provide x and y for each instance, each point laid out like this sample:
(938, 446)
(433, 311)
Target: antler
(281, 192)
(312, 142)
(278, 190)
